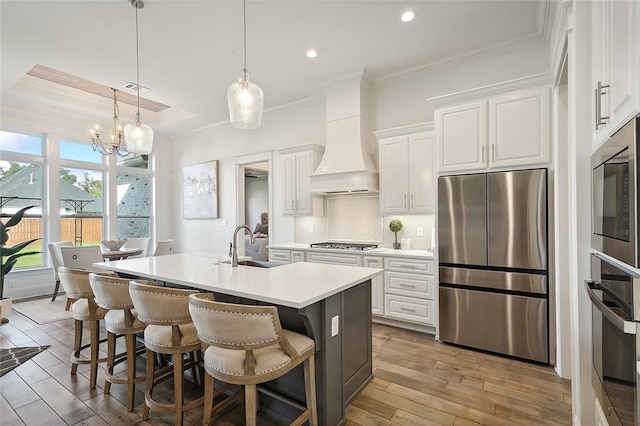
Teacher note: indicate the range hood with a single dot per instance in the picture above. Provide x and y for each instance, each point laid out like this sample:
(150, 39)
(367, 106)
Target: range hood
(348, 163)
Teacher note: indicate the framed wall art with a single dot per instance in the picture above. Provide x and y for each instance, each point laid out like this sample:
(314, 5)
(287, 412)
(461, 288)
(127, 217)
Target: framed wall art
(200, 190)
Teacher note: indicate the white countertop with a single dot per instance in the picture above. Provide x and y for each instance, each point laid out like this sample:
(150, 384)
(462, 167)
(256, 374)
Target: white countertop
(295, 285)
(380, 251)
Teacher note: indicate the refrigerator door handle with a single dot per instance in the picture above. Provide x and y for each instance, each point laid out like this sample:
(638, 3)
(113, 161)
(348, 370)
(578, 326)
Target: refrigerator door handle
(627, 327)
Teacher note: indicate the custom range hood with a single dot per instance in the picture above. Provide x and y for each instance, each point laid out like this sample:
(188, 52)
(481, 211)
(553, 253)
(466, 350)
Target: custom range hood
(348, 163)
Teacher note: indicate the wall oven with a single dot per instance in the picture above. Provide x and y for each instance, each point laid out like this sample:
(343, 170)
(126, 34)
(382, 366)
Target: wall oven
(615, 297)
(615, 195)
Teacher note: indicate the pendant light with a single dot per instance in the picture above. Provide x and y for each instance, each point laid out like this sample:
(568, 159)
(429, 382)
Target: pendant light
(138, 137)
(244, 97)
(114, 146)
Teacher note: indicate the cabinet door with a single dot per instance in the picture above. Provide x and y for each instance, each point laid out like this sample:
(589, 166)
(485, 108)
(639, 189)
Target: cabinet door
(297, 256)
(520, 128)
(290, 187)
(394, 174)
(461, 134)
(303, 170)
(599, 70)
(421, 173)
(377, 285)
(623, 60)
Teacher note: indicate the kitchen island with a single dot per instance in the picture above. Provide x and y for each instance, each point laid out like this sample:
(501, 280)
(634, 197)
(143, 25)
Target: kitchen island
(329, 303)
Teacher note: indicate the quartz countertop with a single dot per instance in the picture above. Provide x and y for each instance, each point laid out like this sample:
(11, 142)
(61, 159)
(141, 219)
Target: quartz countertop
(295, 285)
(380, 251)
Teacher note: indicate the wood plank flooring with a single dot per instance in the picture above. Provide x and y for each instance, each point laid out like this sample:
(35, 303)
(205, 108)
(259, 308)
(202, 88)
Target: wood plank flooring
(418, 381)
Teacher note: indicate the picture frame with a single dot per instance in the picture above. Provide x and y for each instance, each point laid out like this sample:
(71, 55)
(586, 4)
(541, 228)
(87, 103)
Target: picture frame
(200, 190)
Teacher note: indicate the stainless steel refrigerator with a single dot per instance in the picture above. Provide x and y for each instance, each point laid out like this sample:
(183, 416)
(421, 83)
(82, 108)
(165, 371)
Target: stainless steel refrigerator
(493, 257)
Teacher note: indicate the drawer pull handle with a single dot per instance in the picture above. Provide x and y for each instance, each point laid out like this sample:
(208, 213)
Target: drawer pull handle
(407, 309)
(407, 285)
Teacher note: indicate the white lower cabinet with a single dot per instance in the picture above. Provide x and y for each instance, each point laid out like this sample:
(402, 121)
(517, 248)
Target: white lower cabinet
(409, 309)
(377, 285)
(335, 258)
(279, 255)
(297, 256)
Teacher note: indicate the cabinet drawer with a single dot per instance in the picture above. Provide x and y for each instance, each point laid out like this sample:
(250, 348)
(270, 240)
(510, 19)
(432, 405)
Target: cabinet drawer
(335, 259)
(411, 285)
(409, 309)
(276, 255)
(414, 266)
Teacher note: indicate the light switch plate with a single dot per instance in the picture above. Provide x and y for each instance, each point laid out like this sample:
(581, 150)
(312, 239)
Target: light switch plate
(335, 325)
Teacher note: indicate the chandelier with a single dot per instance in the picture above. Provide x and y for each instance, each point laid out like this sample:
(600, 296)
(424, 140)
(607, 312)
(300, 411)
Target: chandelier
(244, 97)
(138, 137)
(114, 146)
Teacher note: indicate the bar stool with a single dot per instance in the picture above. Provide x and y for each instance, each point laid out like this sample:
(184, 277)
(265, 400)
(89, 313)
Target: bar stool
(248, 346)
(112, 293)
(169, 331)
(76, 284)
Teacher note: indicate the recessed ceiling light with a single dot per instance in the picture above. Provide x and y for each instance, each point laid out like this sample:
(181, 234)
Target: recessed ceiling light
(407, 16)
(311, 53)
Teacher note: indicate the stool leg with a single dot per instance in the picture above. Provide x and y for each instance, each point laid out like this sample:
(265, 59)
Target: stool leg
(55, 291)
(76, 344)
(151, 357)
(131, 370)
(69, 303)
(95, 348)
(208, 399)
(192, 361)
(111, 355)
(250, 404)
(310, 389)
(178, 379)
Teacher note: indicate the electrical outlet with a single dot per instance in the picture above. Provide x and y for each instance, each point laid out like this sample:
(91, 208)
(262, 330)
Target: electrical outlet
(223, 222)
(420, 231)
(335, 326)
(311, 230)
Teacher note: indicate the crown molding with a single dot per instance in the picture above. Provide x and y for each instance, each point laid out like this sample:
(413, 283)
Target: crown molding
(537, 80)
(544, 23)
(454, 62)
(404, 130)
(561, 27)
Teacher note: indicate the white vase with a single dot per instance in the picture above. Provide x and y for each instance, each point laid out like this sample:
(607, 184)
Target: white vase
(5, 307)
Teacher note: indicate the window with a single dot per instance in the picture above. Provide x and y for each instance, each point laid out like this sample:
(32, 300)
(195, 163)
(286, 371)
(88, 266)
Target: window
(21, 185)
(81, 205)
(134, 205)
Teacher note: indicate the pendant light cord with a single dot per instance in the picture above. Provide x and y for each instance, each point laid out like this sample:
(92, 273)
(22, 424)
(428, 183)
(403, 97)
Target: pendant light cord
(137, 67)
(244, 34)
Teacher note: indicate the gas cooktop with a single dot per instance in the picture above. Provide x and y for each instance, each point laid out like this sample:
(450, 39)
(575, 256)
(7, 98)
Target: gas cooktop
(344, 246)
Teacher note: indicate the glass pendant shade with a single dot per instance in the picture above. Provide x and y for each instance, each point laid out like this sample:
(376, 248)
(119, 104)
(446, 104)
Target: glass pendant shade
(138, 138)
(245, 103)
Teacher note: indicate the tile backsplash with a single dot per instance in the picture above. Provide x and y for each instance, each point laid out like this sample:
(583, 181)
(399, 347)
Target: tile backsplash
(357, 218)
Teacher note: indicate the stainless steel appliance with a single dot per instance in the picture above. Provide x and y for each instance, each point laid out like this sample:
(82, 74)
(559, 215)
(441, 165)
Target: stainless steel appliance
(343, 245)
(615, 296)
(615, 195)
(493, 279)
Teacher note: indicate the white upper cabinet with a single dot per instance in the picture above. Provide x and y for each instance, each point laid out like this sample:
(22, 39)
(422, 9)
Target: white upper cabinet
(506, 125)
(407, 172)
(615, 65)
(464, 128)
(298, 164)
(520, 128)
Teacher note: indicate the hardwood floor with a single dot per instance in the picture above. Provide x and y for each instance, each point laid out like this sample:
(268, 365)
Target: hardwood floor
(418, 381)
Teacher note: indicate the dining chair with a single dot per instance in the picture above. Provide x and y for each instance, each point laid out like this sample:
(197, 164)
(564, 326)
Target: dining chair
(169, 331)
(246, 345)
(76, 284)
(164, 247)
(82, 257)
(135, 243)
(56, 262)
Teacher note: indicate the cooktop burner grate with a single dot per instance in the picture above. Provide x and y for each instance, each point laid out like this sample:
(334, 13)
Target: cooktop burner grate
(344, 246)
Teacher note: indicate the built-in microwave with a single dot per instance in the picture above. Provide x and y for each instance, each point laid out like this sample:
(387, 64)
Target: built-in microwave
(614, 213)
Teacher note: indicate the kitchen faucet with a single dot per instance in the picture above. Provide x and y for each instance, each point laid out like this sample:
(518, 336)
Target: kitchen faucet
(234, 244)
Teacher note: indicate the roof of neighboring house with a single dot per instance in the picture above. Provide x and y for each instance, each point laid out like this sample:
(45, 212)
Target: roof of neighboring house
(25, 187)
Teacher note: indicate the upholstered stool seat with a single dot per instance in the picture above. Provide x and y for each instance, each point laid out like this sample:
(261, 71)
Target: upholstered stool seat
(76, 284)
(246, 345)
(112, 293)
(170, 331)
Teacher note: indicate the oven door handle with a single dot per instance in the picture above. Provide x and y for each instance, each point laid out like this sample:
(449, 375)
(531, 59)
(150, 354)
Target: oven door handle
(627, 327)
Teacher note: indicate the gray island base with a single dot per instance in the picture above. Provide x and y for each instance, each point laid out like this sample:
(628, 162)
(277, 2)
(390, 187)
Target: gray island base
(334, 310)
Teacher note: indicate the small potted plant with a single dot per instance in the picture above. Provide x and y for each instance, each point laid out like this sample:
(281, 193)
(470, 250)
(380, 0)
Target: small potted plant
(395, 226)
(10, 256)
